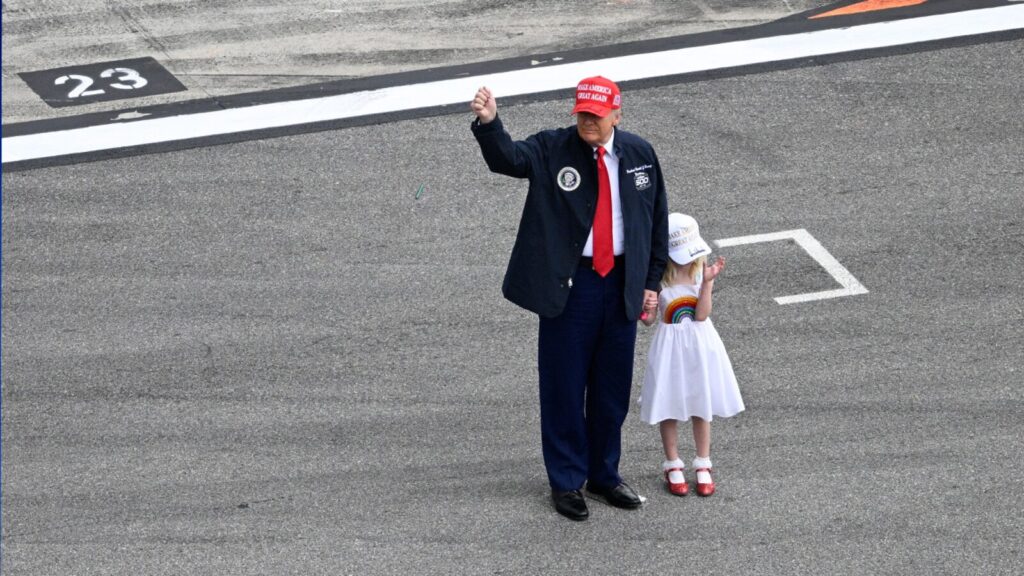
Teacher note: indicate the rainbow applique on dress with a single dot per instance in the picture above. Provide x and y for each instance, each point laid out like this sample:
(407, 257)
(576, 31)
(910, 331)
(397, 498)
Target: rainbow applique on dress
(680, 308)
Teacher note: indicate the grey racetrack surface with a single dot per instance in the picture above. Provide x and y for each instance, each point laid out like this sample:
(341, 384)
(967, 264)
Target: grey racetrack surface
(271, 358)
(229, 47)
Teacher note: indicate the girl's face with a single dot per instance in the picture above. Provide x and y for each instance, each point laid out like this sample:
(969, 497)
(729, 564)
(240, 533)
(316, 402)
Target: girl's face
(690, 270)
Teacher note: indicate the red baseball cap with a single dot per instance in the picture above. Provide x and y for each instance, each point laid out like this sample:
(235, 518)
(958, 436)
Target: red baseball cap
(597, 95)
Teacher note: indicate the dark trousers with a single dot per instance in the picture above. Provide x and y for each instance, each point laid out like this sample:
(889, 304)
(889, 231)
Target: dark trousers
(585, 361)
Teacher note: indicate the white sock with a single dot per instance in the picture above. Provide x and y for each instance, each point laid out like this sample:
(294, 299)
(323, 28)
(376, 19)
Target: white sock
(676, 476)
(703, 476)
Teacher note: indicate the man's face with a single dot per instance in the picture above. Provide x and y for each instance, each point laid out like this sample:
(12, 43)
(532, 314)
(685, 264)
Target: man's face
(595, 130)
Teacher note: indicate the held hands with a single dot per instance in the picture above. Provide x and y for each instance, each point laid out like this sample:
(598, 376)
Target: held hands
(484, 105)
(710, 272)
(650, 301)
(650, 307)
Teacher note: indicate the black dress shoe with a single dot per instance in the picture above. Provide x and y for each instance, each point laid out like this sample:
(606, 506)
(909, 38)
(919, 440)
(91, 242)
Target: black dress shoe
(570, 504)
(621, 496)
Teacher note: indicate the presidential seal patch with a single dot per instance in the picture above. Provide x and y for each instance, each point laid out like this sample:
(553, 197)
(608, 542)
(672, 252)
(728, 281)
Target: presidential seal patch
(568, 179)
(641, 180)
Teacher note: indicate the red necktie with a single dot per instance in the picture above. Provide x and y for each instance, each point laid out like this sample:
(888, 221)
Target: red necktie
(604, 256)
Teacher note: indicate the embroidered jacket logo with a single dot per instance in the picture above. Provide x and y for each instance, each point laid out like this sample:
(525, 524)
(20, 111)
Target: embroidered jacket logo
(641, 180)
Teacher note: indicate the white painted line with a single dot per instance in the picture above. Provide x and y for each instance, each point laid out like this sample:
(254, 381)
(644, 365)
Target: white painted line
(803, 238)
(519, 82)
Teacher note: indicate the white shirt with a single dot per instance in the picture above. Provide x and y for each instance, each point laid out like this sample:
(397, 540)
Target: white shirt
(611, 161)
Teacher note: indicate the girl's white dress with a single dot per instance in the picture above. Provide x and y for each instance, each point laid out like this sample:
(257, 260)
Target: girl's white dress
(688, 370)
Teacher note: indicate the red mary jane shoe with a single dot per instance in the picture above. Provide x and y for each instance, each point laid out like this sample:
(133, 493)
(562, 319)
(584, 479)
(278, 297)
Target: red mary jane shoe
(705, 488)
(677, 488)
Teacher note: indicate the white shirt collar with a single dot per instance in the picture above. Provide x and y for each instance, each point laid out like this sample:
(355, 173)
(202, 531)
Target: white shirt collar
(608, 146)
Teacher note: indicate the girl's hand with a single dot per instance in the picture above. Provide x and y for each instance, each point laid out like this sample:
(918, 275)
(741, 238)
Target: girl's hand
(710, 272)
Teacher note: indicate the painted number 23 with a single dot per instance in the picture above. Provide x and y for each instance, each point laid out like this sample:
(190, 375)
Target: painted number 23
(126, 79)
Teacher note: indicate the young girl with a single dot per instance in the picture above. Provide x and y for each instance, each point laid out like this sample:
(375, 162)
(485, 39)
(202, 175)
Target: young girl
(689, 375)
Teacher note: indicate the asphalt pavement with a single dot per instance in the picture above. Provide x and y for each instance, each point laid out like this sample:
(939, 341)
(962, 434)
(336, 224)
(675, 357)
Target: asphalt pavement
(217, 49)
(291, 355)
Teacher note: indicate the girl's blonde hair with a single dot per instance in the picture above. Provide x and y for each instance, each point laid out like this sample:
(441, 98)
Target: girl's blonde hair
(674, 272)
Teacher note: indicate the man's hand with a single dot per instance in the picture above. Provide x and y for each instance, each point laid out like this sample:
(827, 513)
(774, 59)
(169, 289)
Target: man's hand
(484, 105)
(650, 307)
(650, 300)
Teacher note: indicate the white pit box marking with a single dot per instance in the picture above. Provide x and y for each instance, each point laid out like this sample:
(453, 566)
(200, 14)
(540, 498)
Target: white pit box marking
(850, 285)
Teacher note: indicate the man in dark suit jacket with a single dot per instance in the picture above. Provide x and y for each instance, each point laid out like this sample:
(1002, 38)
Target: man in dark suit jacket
(592, 245)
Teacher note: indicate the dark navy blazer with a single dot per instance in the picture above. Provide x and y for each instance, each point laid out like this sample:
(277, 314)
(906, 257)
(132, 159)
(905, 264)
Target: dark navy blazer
(559, 213)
